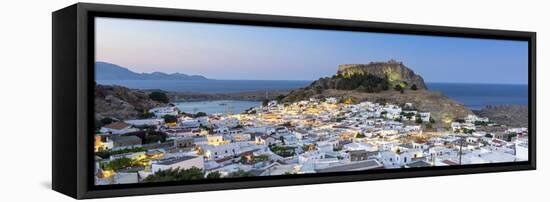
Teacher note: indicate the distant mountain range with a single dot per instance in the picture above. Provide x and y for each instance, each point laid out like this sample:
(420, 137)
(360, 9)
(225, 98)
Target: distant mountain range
(108, 71)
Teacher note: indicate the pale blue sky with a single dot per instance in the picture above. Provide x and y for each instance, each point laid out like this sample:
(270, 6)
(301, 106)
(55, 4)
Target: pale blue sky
(267, 53)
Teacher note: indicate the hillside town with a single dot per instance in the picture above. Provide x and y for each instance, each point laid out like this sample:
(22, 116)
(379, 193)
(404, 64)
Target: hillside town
(309, 136)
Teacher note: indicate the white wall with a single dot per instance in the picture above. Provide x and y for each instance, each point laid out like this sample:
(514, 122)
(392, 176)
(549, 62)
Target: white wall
(196, 162)
(25, 76)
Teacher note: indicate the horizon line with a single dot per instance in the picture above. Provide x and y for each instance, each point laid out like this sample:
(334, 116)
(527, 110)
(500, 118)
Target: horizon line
(309, 80)
(305, 80)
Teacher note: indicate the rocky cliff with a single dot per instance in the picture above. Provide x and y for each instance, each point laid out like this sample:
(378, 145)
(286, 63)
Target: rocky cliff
(121, 103)
(375, 82)
(395, 72)
(374, 77)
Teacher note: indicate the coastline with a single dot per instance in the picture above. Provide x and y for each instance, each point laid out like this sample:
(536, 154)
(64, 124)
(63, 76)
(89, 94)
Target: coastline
(508, 117)
(240, 96)
(273, 94)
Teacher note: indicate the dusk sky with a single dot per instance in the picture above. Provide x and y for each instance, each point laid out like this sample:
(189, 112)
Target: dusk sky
(239, 52)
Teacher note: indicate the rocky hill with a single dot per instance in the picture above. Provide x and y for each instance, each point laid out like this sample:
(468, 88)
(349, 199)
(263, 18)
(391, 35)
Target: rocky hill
(375, 82)
(371, 78)
(374, 77)
(395, 72)
(509, 115)
(121, 103)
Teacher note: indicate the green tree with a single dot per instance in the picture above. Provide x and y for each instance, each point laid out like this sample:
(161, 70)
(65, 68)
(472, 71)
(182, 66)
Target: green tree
(467, 131)
(418, 120)
(106, 121)
(240, 173)
(193, 173)
(398, 87)
(203, 127)
(408, 115)
(460, 120)
(107, 153)
(280, 98)
(159, 97)
(251, 110)
(366, 83)
(282, 151)
(170, 119)
(153, 136)
(511, 136)
(144, 114)
(262, 157)
(118, 164)
(214, 175)
(200, 114)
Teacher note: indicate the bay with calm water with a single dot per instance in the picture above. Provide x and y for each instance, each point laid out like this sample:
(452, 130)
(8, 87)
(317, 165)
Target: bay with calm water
(473, 96)
(217, 106)
(211, 86)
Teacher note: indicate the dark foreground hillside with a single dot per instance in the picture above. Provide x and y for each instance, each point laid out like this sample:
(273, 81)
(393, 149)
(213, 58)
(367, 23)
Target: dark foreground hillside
(509, 115)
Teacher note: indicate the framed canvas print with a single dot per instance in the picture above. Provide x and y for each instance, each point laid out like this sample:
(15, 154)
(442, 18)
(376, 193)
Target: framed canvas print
(155, 100)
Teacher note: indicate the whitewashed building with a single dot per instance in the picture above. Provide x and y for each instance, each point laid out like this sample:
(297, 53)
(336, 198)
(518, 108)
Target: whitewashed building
(183, 162)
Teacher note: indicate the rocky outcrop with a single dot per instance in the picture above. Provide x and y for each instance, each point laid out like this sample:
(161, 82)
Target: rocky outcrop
(375, 82)
(395, 72)
(374, 77)
(509, 115)
(121, 103)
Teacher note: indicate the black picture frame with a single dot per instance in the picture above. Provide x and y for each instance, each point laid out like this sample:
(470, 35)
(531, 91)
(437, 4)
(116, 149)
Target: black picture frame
(73, 91)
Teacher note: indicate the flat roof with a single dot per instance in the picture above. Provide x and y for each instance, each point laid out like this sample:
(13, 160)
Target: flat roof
(117, 125)
(418, 164)
(363, 165)
(173, 160)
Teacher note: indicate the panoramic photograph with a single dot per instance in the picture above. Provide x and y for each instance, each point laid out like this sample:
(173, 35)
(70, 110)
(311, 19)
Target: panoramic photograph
(181, 101)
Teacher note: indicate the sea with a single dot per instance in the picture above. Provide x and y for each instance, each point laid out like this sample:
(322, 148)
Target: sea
(217, 106)
(473, 96)
(477, 96)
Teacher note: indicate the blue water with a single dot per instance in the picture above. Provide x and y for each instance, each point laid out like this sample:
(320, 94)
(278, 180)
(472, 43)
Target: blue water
(209, 86)
(217, 106)
(477, 96)
(473, 96)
